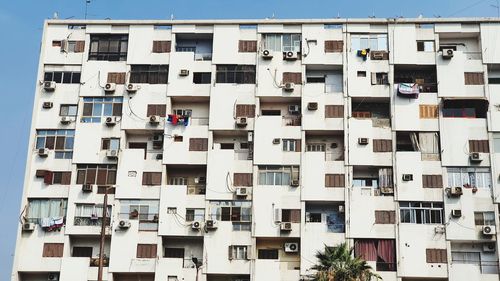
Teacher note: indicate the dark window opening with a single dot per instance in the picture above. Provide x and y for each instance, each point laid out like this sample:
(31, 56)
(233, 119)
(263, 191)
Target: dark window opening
(424, 76)
(271, 112)
(364, 109)
(467, 108)
(65, 77)
(268, 254)
(227, 146)
(82, 252)
(107, 47)
(315, 79)
(149, 74)
(202, 77)
(236, 74)
(174, 253)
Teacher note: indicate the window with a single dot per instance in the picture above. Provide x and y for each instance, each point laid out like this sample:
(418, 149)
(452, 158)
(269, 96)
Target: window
(177, 181)
(374, 42)
(469, 176)
(82, 252)
(157, 109)
(182, 112)
(291, 145)
(316, 147)
(162, 27)
(421, 212)
(178, 138)
(277, 175)
(334, 180)
(96, 174)
(174, 253)
(108, 47)
(198, 144)
(116, 77)
(95, 108)
(484, 218)
(151, 178)
(75, 46)
(202, 77)
(481, 146)
(235, 211)
(290, 215)
(291, 42)
(361, 73)
(90, 214)
(466, 257)
(145, 211)
(146, 251)
(428, 111)
(237, 252)
(161, 46)
(362, 182)
(68, 110)
(227, 145)
(268, 254)
(247, 46)
(292, 77)
(474, 78)
(242, 179)
(496, 142)
(40, 210)
(436, 256)
(432, 181)
(149, 74)
(272, 42)
(334, 111)
(271, 112)
(382, 145)
(381, 251)
(334, 46)
(380, 78)
(385, 217)
(64, 77)
(76, 26)
(61, 141)
(313, 217)
(248, 26)
(63, 178)
(245, 110)
(242, 226)
(282, 42)
(465, 108)
(110, 144)
(425, 46)
(195, 214)
(235, 74)
(53, 250)
(332, 26)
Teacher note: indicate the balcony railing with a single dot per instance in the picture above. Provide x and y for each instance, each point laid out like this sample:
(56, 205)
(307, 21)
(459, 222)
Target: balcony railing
(196, 189)
(241, 154)
(473, 55)
(95, 262)
(292, 121)
(386, 266)
(486, 267)
(199, 121)
(147, 221)
(89, 221)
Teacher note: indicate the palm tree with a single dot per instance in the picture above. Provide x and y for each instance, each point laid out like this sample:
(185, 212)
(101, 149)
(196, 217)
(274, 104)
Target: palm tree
(338, 264)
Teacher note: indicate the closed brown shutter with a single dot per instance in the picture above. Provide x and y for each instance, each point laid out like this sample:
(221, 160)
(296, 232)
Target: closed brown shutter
(334, 46)
(247, 46)
(428, 111)
(334, 180)
(385, 217)
(116, 77)
(361, 114)
(479, 146)
(117, 109)
(334, 111)
(432, 181)
(102, 176)
(436, 256)
(245, 110)
(474, 78)
(151, 178)
(161, 46)
(198, 144)
(292, 77)
(243, 179)
(49, 176)
(295, 215)
(53, 250)
(157, 109)
(382, 145)
(298, 145)
(40, 173)
(66, 178)
(79, 46)
(146, 251)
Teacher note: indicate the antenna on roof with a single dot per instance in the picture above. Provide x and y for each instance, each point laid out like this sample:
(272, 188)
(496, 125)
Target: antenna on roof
(338, 15)
(420, 16)
(172, 16)
(87, 3)
(55, 15)
(273, 16)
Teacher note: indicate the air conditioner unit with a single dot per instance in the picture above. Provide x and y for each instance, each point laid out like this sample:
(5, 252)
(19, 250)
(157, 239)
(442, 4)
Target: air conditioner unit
(363, 141)
(200, 180)
(241, 191)
(110, 120)
(407, 177)
(387, 190)
(109, 88)
(47, 105)
(53, 276)
(65, 120)
(377, 55)
(196, 225)
(288, 87)
(276, 141)
(439, 229)
(184, 72)
(456, 213)
(286, 226)
(28, 226)
(158, 138)
(489, 230)
(267, 54)
(132, 88)
(64, 46)
(341, 209)
(312, 106)
(154, 119)
(294, 183)
(250, 137)
(43, 152)
(241, 121)
(49, 86)
(447, 53)
(159, 156)
(291, 247)
(454, 191)
(124, 224)
(475, 157)
(112, 153)
(294, 109)
(291, 55)
(87, 188)
(489, 247)
(211, 224)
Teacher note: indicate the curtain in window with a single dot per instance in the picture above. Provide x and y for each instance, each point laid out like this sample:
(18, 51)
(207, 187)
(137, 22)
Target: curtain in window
(366, 249)
(385, 251)
(385, 177)
(414, 142)
(429, 143)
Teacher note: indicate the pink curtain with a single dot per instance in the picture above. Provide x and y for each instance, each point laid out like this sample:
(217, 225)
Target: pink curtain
(366, 249)
(386, 251)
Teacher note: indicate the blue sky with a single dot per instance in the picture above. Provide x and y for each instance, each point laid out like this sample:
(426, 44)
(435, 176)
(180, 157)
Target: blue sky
(21, 24)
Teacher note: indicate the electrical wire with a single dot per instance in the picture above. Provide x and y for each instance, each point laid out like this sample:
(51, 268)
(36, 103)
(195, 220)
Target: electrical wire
(274, 78)
(466, 8)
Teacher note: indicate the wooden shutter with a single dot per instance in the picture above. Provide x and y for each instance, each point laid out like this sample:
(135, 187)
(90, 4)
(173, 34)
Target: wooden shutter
(82, 252)
(382, 145)
(146, 251)
(334, 180)
(334, 46)
(432, 181)
(243, 179)
(428, 111)
(245, 110)
(334, 111)
(361, 114)
(151, 178)
(157, 109)
(198, 144)
(66, 178)
(436, 256)
(53, 250)
(292, 77)
(474, 78)
(40, 173)
(298, 145)
(295, 215)
(116, 77)
(385, 217)
(247, 46)
(79, 46)
(161, 46)
(49, 176)
(479, 146)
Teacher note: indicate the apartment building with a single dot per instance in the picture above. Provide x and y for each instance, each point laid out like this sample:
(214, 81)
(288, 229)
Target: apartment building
(233, 150)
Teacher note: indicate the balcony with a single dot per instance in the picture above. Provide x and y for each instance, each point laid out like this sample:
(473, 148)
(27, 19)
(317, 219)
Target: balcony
(424, 76)
(198, 44)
